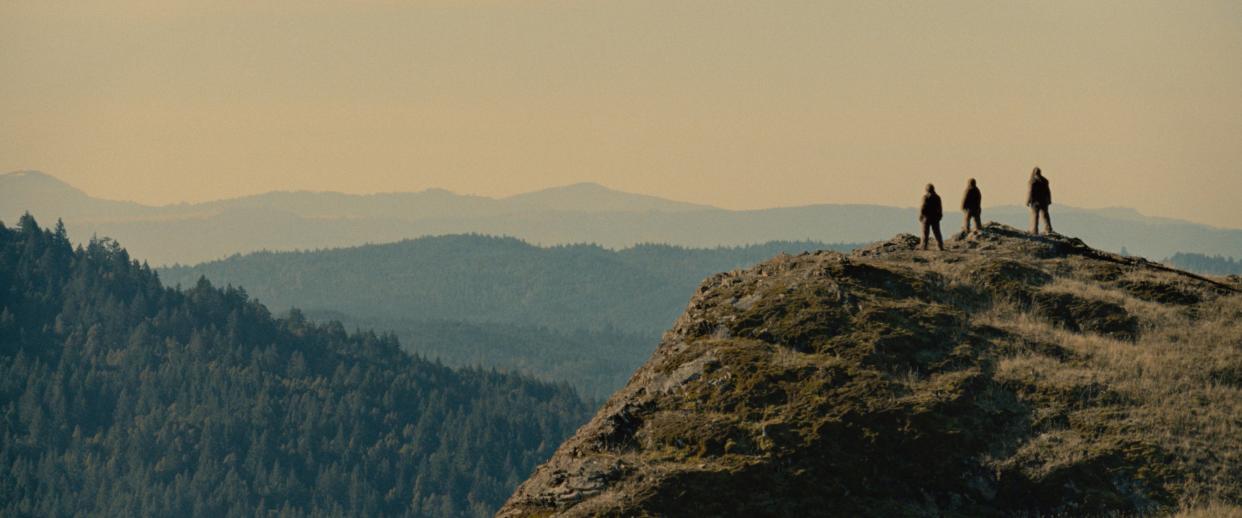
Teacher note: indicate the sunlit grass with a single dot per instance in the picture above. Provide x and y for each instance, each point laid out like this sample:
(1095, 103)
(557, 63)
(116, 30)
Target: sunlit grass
(1177, 386)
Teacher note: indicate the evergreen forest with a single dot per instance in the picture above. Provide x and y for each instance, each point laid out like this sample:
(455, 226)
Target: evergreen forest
(120, 396)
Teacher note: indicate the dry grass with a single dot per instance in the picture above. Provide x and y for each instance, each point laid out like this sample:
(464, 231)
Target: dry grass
(1151, 313)
(1177, 386)
(1180, 387)
(1212, 510)
(896, 369)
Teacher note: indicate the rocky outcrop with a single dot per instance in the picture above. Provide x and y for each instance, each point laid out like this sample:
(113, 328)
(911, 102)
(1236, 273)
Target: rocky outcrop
(897, 382)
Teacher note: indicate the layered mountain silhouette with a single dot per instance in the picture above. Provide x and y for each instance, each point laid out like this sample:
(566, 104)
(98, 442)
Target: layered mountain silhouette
(1012, 375)
(582, 213)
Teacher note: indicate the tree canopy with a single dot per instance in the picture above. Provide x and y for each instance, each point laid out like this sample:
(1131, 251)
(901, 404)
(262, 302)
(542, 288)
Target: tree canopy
(119, 396)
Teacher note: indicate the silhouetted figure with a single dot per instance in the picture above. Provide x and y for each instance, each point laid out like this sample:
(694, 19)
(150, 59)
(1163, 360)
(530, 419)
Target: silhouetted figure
(1038, 200)
(930, 214)
(972, 205)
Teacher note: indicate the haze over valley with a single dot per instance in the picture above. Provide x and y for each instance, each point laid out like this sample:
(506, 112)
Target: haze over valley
(542, 303)
(578, 213)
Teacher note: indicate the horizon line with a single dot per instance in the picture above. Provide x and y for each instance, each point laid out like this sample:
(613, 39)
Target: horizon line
(588, 183)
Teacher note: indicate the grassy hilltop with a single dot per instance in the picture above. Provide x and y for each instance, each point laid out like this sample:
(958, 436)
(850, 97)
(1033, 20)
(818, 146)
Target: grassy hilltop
(1011, 374)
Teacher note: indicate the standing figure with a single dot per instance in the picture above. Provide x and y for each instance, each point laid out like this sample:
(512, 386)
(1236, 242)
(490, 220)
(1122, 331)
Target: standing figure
(1038, 200)
(972, 205)
(930, 214)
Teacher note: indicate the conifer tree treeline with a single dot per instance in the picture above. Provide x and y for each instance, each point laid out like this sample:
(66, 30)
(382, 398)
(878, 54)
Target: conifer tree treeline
(1210, 265)
(121, 397)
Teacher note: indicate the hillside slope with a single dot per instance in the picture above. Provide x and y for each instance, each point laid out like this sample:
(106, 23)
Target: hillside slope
(1012, 374)
(121, 397)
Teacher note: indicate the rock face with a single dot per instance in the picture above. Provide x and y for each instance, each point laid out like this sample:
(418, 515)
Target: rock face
(1011, 374)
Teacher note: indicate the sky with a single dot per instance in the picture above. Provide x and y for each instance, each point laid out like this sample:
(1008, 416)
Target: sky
(736, 104)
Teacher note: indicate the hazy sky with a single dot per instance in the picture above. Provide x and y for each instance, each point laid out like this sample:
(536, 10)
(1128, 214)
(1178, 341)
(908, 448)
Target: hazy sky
(741, 105)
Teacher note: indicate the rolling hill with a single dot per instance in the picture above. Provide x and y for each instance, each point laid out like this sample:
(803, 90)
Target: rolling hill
(578, 313)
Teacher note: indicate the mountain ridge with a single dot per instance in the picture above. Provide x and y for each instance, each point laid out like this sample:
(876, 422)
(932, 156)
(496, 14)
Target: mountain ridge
(191, 233)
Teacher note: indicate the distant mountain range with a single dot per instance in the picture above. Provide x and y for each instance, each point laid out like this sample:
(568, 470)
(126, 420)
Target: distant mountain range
(581, 213)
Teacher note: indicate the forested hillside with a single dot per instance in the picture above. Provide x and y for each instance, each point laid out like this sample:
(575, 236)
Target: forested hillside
(595, 362)
(1211, 265)
(579, 313)
(486, 279)
(121, 397)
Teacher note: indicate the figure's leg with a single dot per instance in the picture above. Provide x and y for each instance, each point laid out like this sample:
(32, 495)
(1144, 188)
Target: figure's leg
(1035, 220)
(978, 222)
(966, 223)
(939, 238)
(926, 228)
(1047, 221)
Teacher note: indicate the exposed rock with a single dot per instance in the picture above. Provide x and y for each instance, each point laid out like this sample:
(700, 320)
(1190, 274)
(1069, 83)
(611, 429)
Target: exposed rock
(869, 385)
(899, 243)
